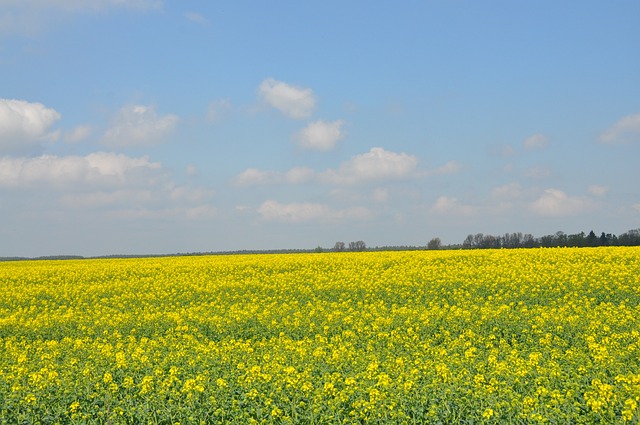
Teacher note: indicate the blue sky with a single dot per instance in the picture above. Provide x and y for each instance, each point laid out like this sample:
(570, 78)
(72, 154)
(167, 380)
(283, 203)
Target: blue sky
(151, 126)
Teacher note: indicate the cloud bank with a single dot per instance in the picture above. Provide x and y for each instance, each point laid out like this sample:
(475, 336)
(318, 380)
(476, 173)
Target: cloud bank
(93, 169)
(374, 166)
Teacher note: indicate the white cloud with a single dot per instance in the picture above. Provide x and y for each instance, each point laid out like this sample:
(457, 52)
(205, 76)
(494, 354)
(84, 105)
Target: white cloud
(218, 109)
(536, 142)
(538, 172)
(504, 151)
(320, 135)
(507, 191)
(31, 16)
(78, 134)
(195, 18)
(295, 102)
(191, 170)
(153, 201)
(301, 212)
(555, 203)
(380, 194)
(80, 5)
(201, 212)
(636, 207)
(138, 125)
(299, 175)
(295, 212)
(25, 126)
(190, 194)
(375, 165)
(162, 194)
(253, 176)
(626, 130)
(107, 198)
(190, 213)
(96, 168)
(450, 167)
(74, 6)
(446, 205)
(598, 190)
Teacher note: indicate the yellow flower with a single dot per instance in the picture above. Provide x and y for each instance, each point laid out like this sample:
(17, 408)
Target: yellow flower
(128, 382)
(354, 337)
(488, 413)
(630, 409)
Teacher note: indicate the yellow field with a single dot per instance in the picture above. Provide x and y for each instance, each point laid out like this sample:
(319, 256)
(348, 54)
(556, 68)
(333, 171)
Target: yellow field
(488, 336)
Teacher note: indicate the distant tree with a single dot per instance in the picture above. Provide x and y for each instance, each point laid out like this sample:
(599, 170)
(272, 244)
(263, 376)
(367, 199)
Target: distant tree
(339, 246)
(319, 249)
(592, 239)
(512, 240)
(604, 240)
(517, 239)
(561, 239)
(529, 241)
(577, 240)
(547, 241)
(630, 238)
(357, 246)
(434, 243)
(490, 241)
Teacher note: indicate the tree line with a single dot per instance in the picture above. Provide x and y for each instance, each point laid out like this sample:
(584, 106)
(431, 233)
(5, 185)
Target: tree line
(477, 241)
(509, 240)
(558, 239)
(353, 246)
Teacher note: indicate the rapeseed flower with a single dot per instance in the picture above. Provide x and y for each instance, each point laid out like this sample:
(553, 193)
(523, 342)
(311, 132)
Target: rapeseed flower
(492, 336)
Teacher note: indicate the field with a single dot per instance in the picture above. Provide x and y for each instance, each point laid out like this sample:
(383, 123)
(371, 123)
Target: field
(481, 336)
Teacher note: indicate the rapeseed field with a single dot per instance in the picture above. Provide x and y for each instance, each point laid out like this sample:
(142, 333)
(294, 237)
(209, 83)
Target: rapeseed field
(484, 336)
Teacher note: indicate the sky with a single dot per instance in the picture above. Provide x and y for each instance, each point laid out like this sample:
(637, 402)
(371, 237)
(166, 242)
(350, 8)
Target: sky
(159, 126)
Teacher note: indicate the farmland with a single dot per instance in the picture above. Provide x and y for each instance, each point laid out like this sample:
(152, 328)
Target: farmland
(478, 336)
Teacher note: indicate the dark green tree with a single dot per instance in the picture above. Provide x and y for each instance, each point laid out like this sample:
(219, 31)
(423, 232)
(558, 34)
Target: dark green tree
(604, 240)
(592, 239)
(434, 243)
